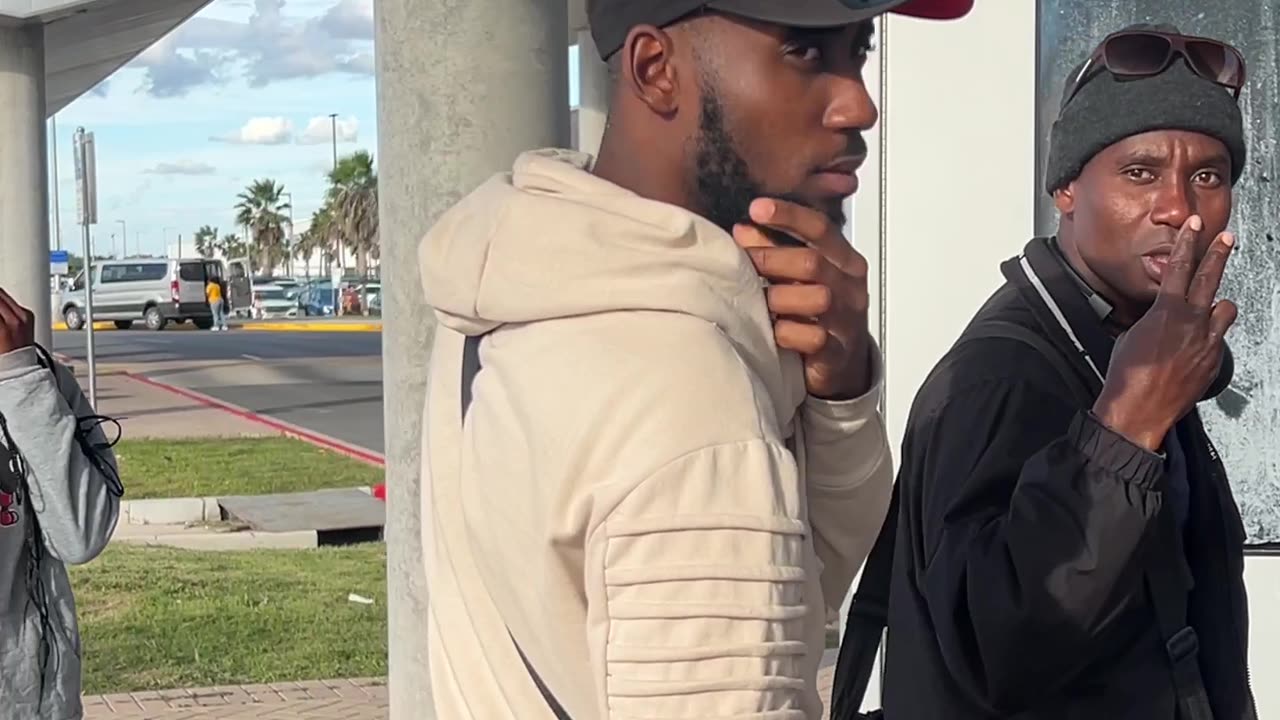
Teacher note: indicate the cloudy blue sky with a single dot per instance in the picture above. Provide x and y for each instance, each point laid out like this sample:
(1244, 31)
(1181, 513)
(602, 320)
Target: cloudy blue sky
(243, 90)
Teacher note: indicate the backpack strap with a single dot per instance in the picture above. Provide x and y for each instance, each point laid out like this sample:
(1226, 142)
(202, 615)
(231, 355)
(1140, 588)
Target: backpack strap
(470, 368)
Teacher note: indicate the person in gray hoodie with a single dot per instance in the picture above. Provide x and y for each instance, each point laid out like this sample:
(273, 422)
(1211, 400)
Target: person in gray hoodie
(59, 501)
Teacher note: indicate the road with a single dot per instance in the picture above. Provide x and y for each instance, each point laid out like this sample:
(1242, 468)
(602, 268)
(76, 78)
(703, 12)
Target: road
(327, 382)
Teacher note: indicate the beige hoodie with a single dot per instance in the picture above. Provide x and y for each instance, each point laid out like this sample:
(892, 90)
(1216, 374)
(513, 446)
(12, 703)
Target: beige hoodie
(621, 500)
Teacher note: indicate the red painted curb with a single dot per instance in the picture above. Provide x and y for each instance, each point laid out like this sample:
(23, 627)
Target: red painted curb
(289, 429)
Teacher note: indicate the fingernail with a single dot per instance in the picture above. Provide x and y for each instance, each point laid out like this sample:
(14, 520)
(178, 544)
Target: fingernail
(1196, 223)
(1228, 239)
(764, 209)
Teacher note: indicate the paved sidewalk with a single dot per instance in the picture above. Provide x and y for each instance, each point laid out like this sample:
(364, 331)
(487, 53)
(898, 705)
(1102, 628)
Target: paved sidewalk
(356, 699)
(145, 411)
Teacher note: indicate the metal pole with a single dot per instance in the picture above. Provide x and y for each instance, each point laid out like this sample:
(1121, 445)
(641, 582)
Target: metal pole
(57, 222)
(87, 216)
(88, 316)
(57, 219)
(333, 133)
(289, 244)
(342, 255)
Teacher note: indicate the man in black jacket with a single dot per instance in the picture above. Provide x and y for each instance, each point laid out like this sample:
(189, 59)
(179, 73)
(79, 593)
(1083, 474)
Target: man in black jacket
(1054, 544)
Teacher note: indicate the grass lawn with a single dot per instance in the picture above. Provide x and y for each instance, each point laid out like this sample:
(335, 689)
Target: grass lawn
(248, 466)
(156, 618)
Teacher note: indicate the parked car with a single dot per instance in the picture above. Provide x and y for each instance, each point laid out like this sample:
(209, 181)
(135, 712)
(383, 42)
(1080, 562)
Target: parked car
(290, 286)
(156, 291)
(270, 301)
(316, 298)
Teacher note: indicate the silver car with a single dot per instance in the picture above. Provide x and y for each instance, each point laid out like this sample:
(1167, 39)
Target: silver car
(156, 291)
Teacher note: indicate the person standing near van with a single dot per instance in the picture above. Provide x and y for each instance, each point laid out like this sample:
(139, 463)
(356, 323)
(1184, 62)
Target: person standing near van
(213, 293)
(59, 502)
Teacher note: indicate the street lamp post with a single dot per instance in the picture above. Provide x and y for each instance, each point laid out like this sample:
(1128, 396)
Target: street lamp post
(291, 235)
(57, 221)
(342, 262)
(333, 132)
(124, 239)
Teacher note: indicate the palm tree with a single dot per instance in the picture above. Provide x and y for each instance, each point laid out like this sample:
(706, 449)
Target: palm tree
(232, 247)
(353, 206)
(318, 237)
(263, 214)
(206, 241)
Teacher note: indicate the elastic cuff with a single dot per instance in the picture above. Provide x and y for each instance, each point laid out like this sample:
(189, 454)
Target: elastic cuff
(1114, 452)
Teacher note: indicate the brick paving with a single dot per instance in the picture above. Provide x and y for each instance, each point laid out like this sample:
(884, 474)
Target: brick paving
(353, 699)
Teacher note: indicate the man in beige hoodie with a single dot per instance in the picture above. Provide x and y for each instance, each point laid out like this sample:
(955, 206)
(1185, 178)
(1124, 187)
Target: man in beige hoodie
(653, 455)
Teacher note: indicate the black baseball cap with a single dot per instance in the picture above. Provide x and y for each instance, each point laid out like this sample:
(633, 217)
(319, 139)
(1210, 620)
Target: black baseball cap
(611, 20)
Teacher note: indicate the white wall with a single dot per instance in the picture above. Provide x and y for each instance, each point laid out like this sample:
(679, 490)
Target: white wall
(952, 197)
(959, 117)
(1262, 576)
(958, 198)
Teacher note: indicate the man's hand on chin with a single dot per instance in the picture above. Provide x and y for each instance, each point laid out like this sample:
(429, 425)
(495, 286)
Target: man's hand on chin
(817, 296)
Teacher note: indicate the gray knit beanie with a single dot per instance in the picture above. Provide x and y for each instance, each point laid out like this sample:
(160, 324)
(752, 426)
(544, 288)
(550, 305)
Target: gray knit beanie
(1108, 109)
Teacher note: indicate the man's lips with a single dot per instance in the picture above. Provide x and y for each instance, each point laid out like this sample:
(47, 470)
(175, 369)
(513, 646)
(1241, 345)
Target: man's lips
(847, 164)
(839, 178)
(1155, 262)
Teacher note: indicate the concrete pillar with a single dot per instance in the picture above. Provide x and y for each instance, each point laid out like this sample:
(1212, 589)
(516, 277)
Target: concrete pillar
(593, 94)
(448, 117)
(24, 174)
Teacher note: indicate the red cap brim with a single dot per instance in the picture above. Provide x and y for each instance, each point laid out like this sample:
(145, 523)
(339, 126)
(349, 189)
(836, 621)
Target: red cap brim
(935, 9)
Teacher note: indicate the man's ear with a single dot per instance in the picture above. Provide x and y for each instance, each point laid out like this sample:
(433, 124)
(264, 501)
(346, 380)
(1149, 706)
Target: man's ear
(1065, 198)
(649, 68)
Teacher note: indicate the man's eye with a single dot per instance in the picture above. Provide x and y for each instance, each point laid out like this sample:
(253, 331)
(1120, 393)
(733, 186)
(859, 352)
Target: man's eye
(806, 53)
(1209, 178)
(1139, 174)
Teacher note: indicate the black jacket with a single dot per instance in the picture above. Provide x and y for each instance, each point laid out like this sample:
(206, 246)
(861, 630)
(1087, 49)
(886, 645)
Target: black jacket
(1018, 585)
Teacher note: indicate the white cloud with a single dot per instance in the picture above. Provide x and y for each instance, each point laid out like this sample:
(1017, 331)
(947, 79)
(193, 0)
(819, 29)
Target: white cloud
(349, 19)
(261, 131)
(172, 70)
(269, 47)
(320, 130)
(182, 167)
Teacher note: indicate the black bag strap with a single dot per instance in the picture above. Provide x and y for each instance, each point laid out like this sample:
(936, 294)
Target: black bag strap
(470, 367)
(1167, 581)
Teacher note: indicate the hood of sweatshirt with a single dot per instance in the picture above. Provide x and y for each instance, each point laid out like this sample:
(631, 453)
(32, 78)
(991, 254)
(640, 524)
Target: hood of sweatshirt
(549, 240)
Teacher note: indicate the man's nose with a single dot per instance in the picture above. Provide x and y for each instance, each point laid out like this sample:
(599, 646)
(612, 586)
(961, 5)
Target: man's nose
(851, 107)
(1174, 203)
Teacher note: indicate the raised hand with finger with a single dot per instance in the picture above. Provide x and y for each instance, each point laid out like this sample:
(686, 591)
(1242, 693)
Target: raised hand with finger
(1163, 364)
(17, 324)
(817, 294)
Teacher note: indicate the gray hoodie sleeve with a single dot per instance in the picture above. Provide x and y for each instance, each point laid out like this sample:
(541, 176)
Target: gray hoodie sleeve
(71, 498)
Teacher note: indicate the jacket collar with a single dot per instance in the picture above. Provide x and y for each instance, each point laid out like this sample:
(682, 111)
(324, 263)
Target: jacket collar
(1082, 308)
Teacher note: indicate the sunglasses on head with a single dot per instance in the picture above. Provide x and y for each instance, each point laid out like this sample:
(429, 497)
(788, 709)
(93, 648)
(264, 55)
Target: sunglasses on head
(1143, 53)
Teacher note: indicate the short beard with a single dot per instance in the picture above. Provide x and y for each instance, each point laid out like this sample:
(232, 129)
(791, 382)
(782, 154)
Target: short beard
(723, 185)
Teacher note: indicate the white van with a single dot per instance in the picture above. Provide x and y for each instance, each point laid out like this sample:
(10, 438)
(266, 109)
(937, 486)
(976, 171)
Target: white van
(156, 291)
